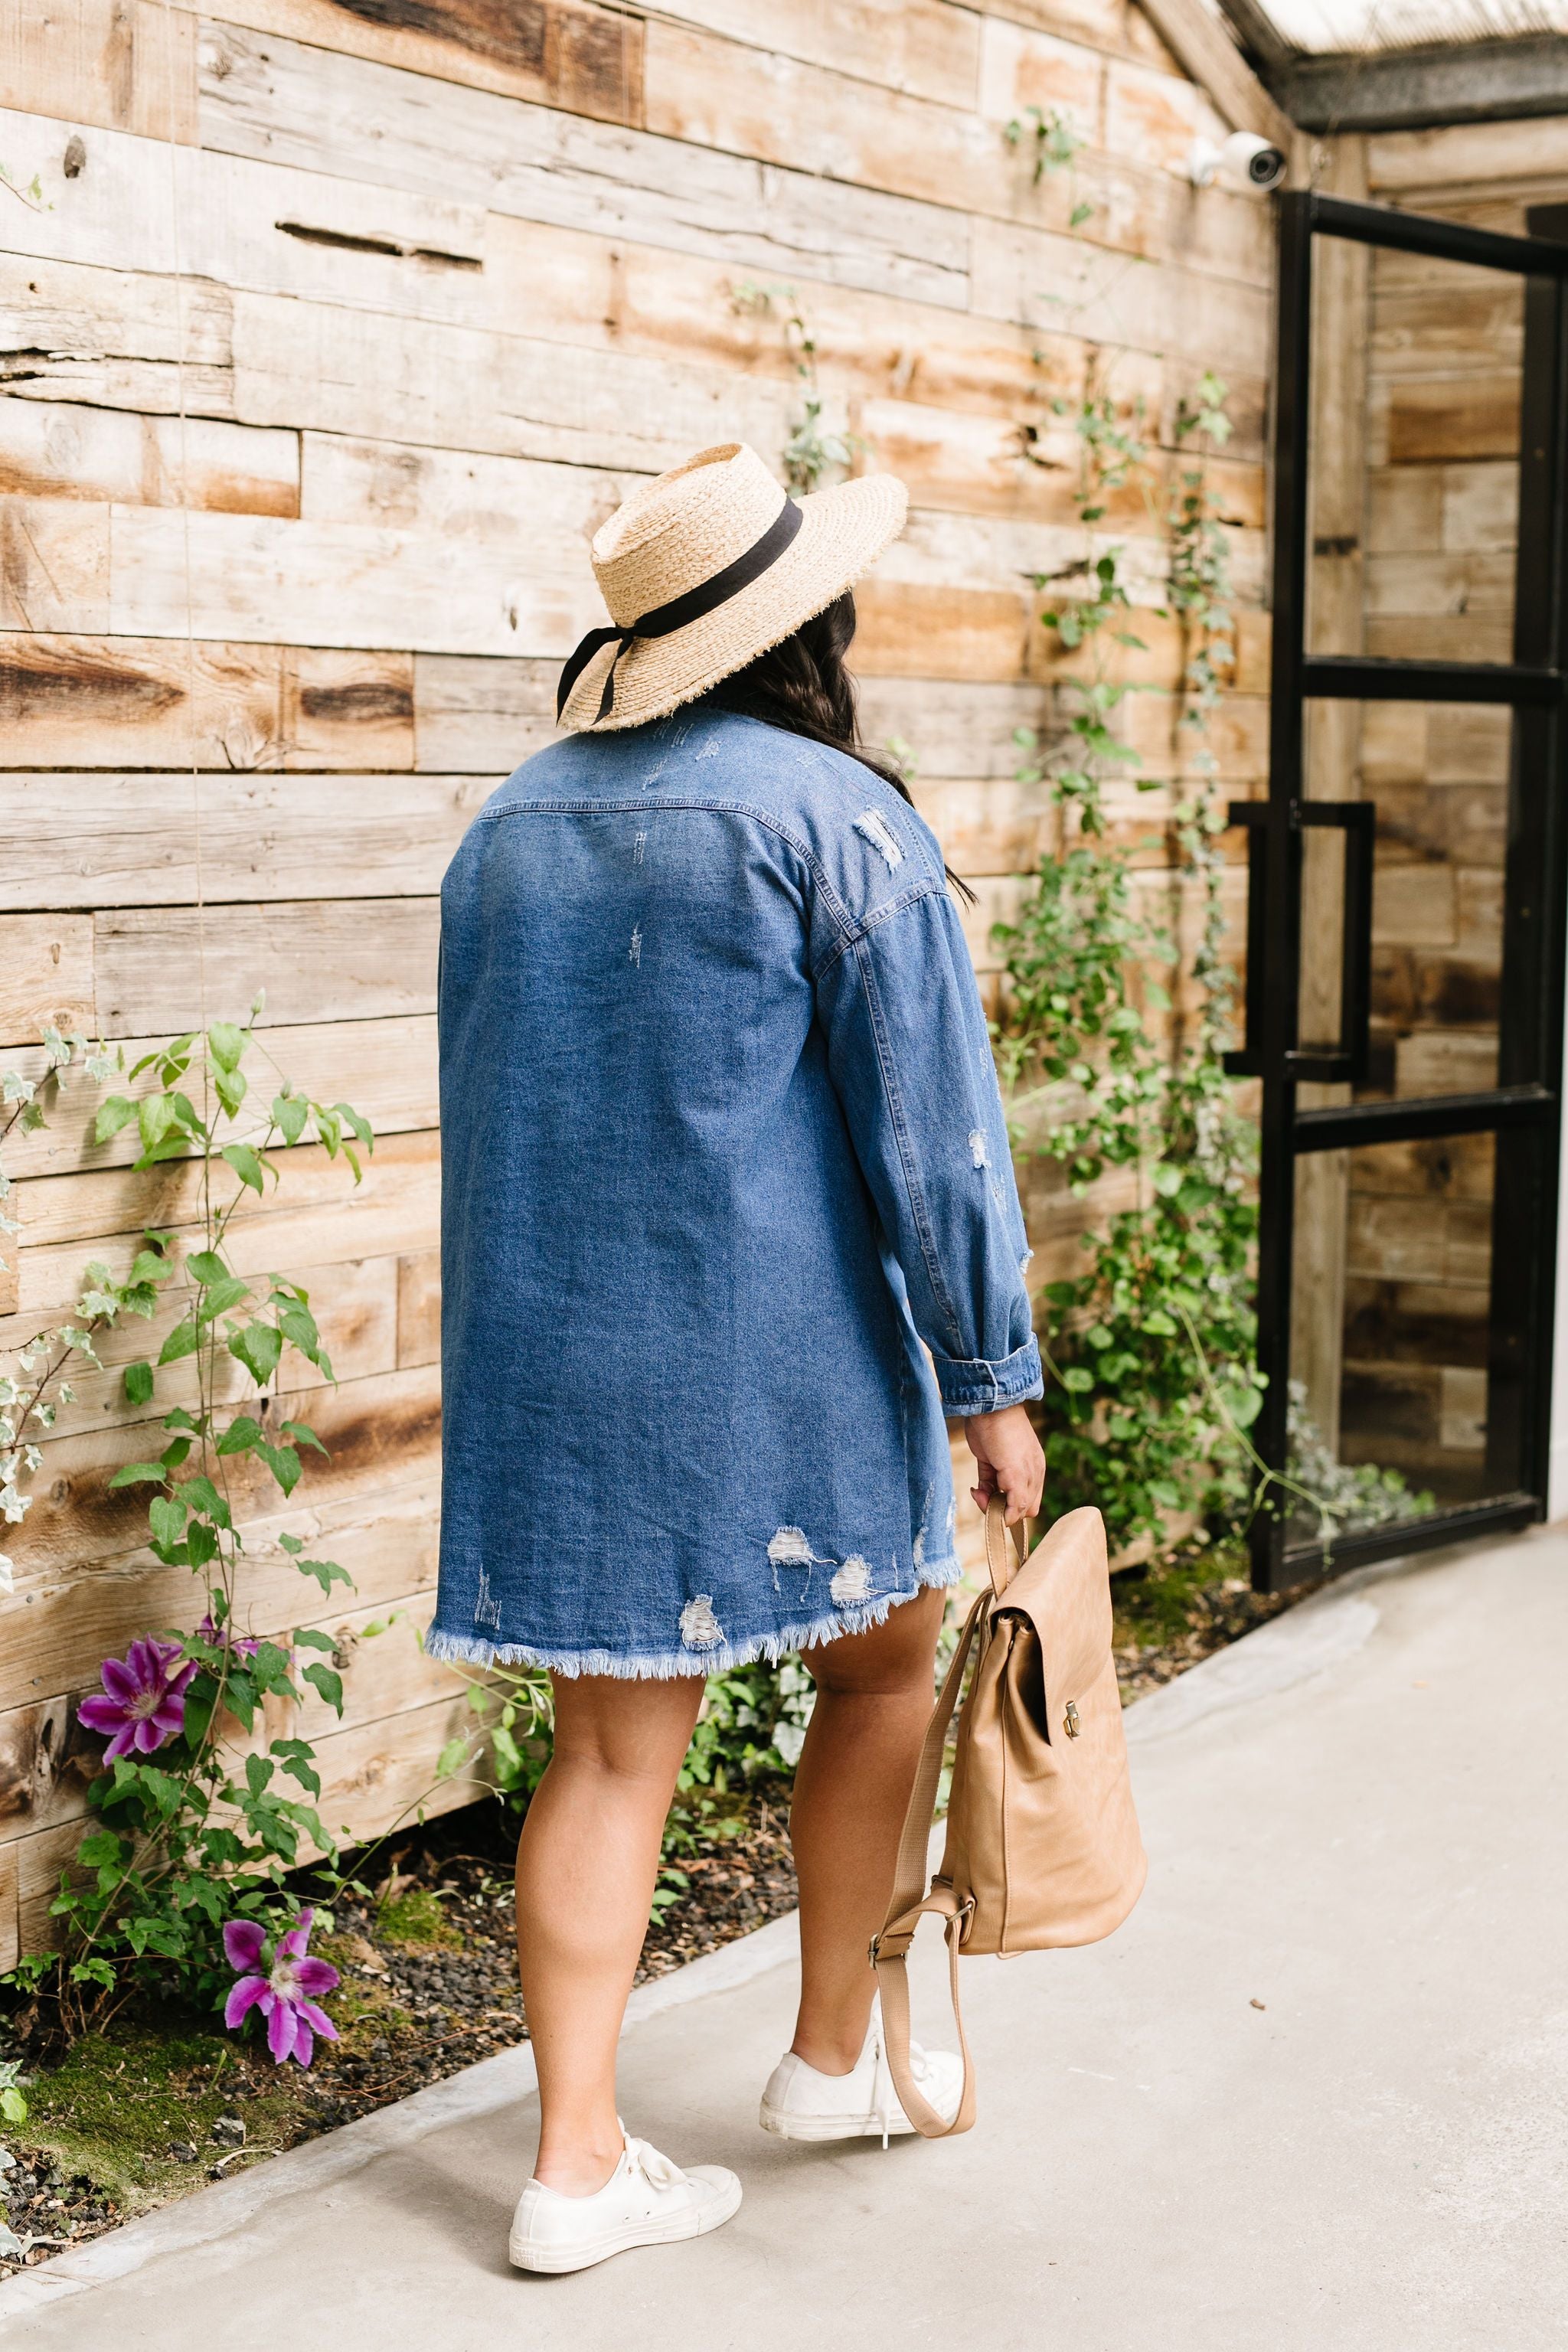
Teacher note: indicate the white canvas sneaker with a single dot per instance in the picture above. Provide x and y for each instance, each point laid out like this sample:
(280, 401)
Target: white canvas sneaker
(801, 2104)
(647, 2201)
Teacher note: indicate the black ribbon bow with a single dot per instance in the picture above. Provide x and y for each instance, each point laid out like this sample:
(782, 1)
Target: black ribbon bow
(681, 610)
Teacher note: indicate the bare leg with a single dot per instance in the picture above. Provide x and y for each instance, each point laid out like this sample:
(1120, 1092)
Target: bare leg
(874, 1699)
(587, 1861)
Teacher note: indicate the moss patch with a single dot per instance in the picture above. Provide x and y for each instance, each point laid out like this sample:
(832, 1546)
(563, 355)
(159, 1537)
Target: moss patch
(417, 1920)
(134, 2110)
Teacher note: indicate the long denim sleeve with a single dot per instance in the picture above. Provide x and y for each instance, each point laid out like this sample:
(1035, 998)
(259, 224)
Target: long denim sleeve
(911, 1061)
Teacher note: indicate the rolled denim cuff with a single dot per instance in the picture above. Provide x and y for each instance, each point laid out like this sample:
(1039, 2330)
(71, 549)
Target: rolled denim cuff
(974, 1386)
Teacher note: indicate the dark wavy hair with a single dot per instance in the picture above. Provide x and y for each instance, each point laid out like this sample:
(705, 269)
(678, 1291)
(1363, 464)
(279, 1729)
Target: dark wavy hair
(802, 685)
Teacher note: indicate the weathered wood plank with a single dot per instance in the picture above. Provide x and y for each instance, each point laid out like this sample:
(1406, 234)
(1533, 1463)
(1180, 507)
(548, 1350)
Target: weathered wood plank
(903, 45)
(116, 841)
(431, 142)
(46, 975)
(756, 103)
(128, 64)
(587, 60)
(265, 579)
(355, 1306)
(475, 714)
(603, 291)
(1400, 163)
(117, 702)
(1412, 421)
(119, 337)
(414, 380)
(387, 483)
(137, 205)
(54, 1625)
(321, 958)
(391, 1211)
(380, 1430)
(419, 1308)
(54, 564)
(62, 450)
(1060, 283)
(386, 1068)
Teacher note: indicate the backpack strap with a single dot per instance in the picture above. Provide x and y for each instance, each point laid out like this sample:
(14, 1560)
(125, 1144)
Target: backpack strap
(889, 1946)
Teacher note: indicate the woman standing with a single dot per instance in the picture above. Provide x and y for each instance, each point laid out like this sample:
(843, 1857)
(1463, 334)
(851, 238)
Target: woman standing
(722, 1147)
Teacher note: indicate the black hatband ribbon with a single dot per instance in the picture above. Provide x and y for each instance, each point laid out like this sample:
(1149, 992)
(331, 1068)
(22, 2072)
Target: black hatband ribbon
(681, 610)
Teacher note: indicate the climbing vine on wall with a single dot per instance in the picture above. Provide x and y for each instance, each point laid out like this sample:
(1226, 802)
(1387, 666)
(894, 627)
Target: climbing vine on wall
(1150, 1348)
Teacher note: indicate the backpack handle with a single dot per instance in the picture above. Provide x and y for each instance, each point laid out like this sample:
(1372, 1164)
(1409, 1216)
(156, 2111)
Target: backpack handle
(1002, 1570)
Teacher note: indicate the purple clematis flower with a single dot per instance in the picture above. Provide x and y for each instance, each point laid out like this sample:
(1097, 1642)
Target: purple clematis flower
(239, 1646)
(145, 1699)
(285, 1995)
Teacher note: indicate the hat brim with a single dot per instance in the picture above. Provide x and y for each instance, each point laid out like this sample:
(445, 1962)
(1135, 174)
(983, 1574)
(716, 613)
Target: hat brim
(842, 533)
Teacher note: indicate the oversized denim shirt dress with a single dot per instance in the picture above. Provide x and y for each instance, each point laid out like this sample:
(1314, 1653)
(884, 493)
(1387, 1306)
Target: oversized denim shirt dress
(721, 1145)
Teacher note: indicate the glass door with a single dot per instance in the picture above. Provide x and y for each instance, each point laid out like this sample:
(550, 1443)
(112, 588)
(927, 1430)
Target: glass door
(1405, 933)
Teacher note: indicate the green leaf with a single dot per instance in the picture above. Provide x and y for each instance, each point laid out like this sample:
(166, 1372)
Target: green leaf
(451, 1758)
(200, 1543)
(289, 1113)
(101, 1849)
(297, 1759)
(307, 1637)
(258, 1347)
(226, 1043)
(329, 1683)
(139, 1474)
(201, 1495)
(220, 1297)
(183, 1340)
(326, 1572)
(303, 1434)
(283, 1462)
(247, 1163)
(166, 1516)
(113, 1113)
(258, 1772)
(242, 1436)
(1078, 1380)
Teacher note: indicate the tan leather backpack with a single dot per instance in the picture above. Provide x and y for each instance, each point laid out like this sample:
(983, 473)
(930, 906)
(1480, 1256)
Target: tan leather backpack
(1042, 1840)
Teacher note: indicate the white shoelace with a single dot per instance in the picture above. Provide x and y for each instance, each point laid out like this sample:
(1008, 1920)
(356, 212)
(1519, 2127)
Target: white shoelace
(884, 2091)
(658, 2170)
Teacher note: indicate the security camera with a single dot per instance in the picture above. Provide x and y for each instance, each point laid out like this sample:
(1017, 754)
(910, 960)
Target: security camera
(1245, 164)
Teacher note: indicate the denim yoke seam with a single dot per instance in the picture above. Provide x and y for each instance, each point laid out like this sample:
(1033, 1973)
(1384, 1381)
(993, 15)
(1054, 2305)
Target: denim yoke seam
(901, 1133)
(593, 807)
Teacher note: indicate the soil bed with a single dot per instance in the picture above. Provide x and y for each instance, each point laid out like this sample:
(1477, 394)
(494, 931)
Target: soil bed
(159, 2103)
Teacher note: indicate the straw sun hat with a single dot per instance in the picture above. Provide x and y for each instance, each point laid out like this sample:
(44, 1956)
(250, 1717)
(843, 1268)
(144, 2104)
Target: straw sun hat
(706, 567)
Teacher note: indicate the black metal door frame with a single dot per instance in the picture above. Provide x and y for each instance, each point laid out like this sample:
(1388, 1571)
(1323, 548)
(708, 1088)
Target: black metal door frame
(1522, 1109)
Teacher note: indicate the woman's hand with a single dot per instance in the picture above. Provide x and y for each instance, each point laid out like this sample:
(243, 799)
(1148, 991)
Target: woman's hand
(1008, 1457)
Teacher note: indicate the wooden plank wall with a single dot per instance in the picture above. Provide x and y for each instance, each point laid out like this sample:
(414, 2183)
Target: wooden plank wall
(336, 332)
(1443, 357)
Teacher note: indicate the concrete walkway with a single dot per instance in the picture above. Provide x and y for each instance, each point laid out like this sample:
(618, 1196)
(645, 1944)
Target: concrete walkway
(1356, 1818)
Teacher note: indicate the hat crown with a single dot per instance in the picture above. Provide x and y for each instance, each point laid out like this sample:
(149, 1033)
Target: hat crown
(683, 529)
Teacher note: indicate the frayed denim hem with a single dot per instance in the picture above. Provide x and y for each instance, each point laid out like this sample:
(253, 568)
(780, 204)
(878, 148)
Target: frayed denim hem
(665, 1666)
